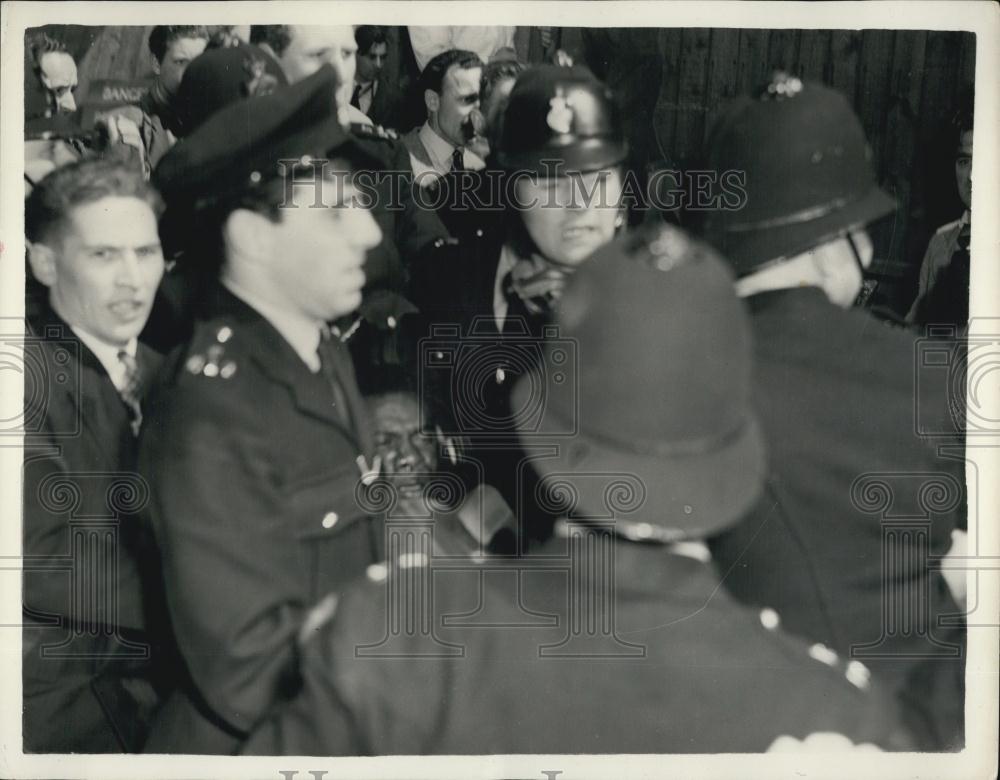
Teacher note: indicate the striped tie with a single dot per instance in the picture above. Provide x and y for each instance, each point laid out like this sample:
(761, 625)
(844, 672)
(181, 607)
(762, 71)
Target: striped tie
(130, 390)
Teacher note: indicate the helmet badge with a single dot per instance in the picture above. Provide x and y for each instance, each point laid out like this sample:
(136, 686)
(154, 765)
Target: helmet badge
(560, 114)
(783, 85)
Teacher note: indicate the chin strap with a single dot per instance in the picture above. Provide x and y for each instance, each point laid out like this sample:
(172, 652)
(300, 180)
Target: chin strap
(856, 253)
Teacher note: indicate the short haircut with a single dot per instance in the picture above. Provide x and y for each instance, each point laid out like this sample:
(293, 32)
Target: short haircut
(163, 35)
(961, 121)
(43, 44)
(48, 206)
(276, 36)
(367, 35)
(433, 76)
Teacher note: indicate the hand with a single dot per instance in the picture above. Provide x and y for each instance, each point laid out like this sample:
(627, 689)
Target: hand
(540, 289)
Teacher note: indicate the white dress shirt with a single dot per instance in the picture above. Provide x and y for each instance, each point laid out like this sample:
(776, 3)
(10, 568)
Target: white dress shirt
(301, 333)
(428, 42)
(367, 94)
(439, 151)
(107, 354)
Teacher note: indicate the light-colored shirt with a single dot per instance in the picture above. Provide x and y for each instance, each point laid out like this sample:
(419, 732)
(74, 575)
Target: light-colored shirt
(504, 266)
(301, 332)
(439, 152)
(939, 252)
(366, 95)
(107, 354)
(428, 42)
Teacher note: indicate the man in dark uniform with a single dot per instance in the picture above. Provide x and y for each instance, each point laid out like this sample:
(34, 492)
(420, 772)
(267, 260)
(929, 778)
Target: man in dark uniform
(93, 243)
(619, 639)
(257, 434)
(836, 393)
(495, 291)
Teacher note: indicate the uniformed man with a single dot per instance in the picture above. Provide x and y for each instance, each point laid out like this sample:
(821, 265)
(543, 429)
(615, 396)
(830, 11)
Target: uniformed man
(836, 394)
(257, 434)
(93, 245)
(619, 639)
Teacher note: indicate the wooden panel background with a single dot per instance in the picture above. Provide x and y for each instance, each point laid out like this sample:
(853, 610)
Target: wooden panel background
(904, 84)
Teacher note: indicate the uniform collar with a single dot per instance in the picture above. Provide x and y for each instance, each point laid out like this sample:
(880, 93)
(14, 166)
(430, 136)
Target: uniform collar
(439, 151)
(107, 354)
(301, 333)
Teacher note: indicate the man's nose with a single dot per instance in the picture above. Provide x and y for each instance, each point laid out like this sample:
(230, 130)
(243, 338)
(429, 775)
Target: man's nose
(129, 274)
(66, 102)
(366, 232)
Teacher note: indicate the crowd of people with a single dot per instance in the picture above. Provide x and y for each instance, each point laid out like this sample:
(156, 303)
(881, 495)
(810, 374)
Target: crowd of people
(360, 437)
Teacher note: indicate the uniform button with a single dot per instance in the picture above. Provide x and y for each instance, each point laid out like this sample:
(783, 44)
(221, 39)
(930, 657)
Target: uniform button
(769, 619)
(501, 375)
(823, 654)
(377, 572)
(330, 519)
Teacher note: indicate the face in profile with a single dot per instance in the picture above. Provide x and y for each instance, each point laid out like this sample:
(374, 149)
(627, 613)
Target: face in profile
(313, 46)
(407, 456)
(459, 97)
(963, 168)
(180, 52)
(57, 72)
(320, 252)
(568, 217)
(370, 64)
(103, 267)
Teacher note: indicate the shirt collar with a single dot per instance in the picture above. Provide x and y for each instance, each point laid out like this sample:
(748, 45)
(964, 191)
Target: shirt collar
(438, 149)
(107, 354)
(301, 333)
(508, 259)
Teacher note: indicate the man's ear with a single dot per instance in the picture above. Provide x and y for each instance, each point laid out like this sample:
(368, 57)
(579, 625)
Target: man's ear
(156, 66)
(432, 100)
(43, 263)
(245, 233)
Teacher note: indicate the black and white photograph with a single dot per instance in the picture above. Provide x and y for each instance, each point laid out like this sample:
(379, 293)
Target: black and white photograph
(572, 389)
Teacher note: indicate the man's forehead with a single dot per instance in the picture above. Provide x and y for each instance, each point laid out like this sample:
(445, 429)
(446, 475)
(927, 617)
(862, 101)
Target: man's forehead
(311, 36)
(965, 143)
(58, 66)
(395, 408)
(114, 220)
(463, 80)
(190, 47)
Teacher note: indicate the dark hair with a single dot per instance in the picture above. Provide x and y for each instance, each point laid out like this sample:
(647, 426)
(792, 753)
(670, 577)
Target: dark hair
(86, 181)
(961, 120)
(367, 35)
(276, 36)
(43, 44)
(163, 35)
(495, 72)
(433, 76)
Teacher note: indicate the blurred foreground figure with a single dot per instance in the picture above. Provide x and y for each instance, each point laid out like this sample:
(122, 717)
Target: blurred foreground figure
(836, 391)
(258, 438)
(612, 636)
(93, 244)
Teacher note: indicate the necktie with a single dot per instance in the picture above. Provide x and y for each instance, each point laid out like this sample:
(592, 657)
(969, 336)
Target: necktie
(458, 159)
(515, 304)
(356, 97)
(328, 352)
(130, 389)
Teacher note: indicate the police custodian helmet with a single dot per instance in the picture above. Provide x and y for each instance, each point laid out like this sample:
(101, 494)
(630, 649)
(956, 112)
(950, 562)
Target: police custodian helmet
(808, 171)
(560, 114)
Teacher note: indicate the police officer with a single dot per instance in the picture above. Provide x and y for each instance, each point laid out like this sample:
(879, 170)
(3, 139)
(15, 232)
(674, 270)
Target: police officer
(257, 433)
(836, 394)
(561, 146)
(619, 639)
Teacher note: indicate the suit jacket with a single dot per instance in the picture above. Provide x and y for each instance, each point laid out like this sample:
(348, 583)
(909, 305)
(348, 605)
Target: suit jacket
(384, 108)
(693, 670)
(85, 597)
(255, 506)
(836, 392)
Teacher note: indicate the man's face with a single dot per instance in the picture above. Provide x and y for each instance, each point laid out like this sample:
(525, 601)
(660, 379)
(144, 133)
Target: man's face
(459, 96)
(105, 268)
(370, 65)
(407, 455)
(963, 168)
(568, 217)
(312, 46)
(179, 54)
(318, 253)
(58, 75)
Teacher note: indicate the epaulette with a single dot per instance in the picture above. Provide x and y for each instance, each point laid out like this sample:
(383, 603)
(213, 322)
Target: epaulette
(208, 355)
(449, 241)
(374, 131)
(855, 672)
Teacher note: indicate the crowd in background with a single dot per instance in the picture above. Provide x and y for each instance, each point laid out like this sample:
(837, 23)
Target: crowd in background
(287, 287)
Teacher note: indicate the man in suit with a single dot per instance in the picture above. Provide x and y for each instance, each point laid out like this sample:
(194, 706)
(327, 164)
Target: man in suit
(618, 638)
(93, 243)
(258, 444)
(373, 95)
(943, 293)
(836, 392)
